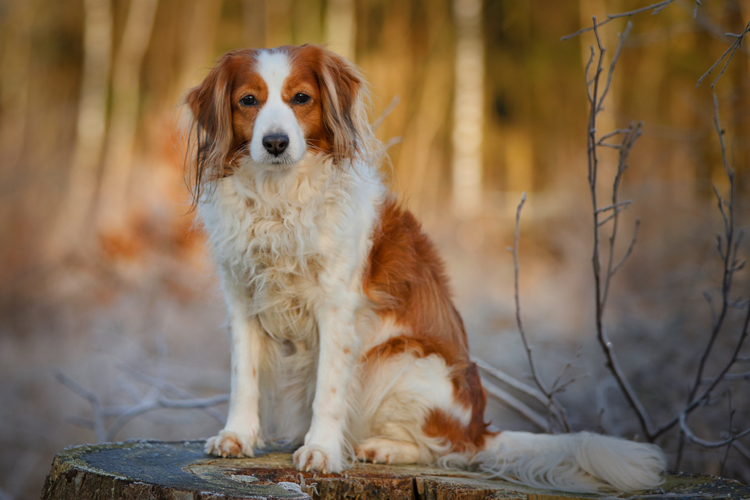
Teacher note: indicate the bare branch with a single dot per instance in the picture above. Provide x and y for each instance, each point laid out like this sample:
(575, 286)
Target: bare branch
(742, 449)
(729, 255)
(519, 321)
(387, 111)
(707, 444)
(511, 381)
(612, 134)
(153, 399)
(629, 250)
(614, 205)
(169, 387)
(715, 381)
(601, 284)
(730, 432)
(612, 64)
(656, 7)
(729, 376)
(728, 218)
(551, 401)
(613, 215)
(505, 398)
(586, 74)
(96, 405)
(194, 403)
(720, 131)
(731, 50)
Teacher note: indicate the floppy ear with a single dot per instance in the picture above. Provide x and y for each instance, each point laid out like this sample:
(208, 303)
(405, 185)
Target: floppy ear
(210, 126)
(345, 119)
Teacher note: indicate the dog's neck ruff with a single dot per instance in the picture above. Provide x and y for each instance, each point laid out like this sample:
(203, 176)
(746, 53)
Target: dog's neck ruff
(269, 228)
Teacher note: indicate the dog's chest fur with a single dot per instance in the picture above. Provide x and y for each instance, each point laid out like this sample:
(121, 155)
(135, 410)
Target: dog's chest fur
(276, 236)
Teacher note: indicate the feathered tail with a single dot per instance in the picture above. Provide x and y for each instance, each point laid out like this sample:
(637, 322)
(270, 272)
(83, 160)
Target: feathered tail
(582, 462)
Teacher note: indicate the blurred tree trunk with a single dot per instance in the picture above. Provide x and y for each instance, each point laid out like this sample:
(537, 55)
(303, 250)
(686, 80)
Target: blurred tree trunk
(71, 229)
(304, 30)
(421, 153)
(14, 93)
(199, 42)
(16, 59)
(126, 90)
(519, 163)
(254, 23)
(341, 27)
(278, 22)
(468, 107)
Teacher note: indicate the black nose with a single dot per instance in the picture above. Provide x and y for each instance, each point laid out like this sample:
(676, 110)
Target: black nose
(275, 143)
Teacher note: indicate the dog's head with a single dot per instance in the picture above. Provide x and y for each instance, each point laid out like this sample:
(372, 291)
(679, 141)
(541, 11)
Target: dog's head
(265, 108)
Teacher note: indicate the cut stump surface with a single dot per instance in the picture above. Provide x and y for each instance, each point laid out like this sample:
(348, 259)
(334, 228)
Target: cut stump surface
(181, 471)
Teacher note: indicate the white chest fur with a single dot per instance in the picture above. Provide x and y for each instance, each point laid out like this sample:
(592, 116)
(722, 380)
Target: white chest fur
(283, 238)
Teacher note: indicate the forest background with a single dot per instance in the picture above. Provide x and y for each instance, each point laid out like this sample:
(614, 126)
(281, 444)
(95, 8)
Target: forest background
(107, 291)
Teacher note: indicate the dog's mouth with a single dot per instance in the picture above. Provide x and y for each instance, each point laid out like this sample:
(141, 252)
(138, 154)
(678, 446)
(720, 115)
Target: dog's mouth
(280, 162)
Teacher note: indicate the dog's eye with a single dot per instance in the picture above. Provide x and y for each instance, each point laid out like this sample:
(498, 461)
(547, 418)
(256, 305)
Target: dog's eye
(301, 98)
(248, 100)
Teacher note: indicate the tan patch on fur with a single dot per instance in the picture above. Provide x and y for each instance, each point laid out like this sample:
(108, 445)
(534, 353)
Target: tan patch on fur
(462, 439)
(405, 280)
(338, 83)
(417, 347)
(469, 393)
(219, 129)
(305, 64)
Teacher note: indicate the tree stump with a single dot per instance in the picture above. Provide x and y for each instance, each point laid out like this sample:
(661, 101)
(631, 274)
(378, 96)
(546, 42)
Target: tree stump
(181, 471)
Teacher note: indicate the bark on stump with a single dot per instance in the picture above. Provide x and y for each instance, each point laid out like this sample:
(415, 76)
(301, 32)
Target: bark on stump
(180, 470)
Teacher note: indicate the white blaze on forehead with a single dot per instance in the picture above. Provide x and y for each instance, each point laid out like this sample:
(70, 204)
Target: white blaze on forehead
(276, 116)
(273, 67)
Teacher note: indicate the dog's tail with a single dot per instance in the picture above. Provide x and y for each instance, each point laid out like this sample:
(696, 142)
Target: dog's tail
(582, 462)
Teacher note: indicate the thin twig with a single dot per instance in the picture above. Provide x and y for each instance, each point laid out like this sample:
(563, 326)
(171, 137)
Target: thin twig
(632, 134)
(731, 433)
(614, 205)
(742, 449)
(502, 396)
(613, 63)
(153, 399)
(731, 50)
(728, 376)
(167, 386)
(96, 405)
(657, 7)
(387, 111)
(519, 321)
(727, 273)
(551, 401)
(628, 251)
(511, 381)
(707, 444)
(599, 282)
(707, 392)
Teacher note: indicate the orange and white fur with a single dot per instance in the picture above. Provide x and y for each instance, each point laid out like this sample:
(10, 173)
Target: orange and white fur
(345, 341)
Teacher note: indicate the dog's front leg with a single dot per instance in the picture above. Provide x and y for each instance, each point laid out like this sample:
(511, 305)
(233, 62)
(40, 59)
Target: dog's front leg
(242, 430)
(324, 442)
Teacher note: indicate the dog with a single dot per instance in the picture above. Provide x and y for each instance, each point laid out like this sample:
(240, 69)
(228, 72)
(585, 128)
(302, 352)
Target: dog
(345, 340)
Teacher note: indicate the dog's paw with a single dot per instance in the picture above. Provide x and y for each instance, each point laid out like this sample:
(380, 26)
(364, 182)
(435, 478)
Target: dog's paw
(386, 451)
(315, 458)
(232, 444)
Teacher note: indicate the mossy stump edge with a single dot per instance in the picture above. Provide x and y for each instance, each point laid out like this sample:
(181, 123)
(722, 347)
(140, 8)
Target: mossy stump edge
(181, 471)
